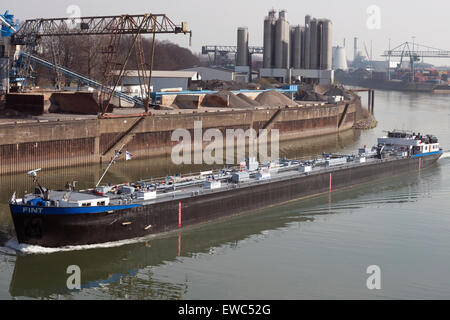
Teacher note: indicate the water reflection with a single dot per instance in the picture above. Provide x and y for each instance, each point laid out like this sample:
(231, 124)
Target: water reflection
(126, 271)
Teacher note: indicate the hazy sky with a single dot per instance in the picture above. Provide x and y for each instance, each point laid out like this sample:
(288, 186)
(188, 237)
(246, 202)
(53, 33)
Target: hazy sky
(216, 22)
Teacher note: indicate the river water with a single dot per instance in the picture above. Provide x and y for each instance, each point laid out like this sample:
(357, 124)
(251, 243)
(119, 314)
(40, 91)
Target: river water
(318, 248)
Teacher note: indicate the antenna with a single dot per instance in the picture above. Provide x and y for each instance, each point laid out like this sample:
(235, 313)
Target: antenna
(33, 174)
(117, 154)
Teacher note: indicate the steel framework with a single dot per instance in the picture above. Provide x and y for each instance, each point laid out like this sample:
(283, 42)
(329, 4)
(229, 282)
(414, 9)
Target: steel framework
(222, 51)
(230, 49)
(115, 27)
(31, 30)
(414, 51)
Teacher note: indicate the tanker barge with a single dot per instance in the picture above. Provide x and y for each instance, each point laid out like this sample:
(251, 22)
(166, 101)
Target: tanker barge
(52, 218)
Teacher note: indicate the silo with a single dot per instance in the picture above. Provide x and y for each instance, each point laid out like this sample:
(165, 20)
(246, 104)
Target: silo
(339, 59)
(282, 39)
(242, 47)
(307, 43)
(296, 44)
(355, 48)
(291, 41)
(302, 51)
(269, 33)
(326, 47)
(319, 43)
(313, 43)
(4, 75)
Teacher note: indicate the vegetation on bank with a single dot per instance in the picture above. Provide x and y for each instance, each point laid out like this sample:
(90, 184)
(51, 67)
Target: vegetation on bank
(87, 55)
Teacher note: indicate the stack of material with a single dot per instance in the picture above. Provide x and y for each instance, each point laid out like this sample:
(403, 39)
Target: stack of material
(310, 96)
(320, 89)
(186, 102)
(337, 91)
(76, 102)
(275, 99)
(25, 103)
(225, 99)
(222, 85)
(248, 100)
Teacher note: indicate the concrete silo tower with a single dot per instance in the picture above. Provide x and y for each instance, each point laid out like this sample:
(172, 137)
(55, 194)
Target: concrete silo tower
(282, 42)
(242, 47)
(269, 40)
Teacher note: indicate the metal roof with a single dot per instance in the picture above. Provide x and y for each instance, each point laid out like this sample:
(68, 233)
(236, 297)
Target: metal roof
(161, 74)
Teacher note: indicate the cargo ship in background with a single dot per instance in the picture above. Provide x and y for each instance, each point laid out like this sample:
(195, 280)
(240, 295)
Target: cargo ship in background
(108, 213)
(427, 80)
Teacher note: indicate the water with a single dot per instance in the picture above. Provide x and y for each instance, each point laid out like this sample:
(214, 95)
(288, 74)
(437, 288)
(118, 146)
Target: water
(318, 248)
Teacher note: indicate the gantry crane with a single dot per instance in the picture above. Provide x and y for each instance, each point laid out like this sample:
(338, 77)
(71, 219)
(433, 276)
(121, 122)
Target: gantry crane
(32, 31)
(415, 52)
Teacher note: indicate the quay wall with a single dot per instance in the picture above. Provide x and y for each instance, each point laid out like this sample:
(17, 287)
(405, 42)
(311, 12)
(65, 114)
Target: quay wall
(29, 145)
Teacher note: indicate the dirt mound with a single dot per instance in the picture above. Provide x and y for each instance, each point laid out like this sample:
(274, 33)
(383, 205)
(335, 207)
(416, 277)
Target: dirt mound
(224, 99)
(248, 100)
(338, 91)
(310, 96)
(186, 102)
(274, 98)
(321, 89)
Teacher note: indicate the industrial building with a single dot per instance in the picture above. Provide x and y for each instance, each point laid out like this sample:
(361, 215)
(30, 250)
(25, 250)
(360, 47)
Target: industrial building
(292, 52)
(180, 80)
(216, 73)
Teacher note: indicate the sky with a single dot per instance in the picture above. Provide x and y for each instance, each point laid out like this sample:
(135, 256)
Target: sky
(215, 22)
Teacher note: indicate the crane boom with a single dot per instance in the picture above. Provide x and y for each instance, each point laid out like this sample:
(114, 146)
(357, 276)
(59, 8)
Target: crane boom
(32, 30)
(425, 52)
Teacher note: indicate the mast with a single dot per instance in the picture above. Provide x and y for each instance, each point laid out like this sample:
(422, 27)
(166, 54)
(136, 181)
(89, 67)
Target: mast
(117, 154)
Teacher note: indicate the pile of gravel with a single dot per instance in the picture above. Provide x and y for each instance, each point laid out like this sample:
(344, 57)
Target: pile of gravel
(248, 100)
(225, 99)
(275, 99)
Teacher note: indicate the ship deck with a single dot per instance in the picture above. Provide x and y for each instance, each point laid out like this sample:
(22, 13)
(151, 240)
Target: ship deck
(282, 174)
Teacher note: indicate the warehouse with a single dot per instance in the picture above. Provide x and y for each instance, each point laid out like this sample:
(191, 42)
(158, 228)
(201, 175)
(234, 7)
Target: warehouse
(209, 73)
(160, 80)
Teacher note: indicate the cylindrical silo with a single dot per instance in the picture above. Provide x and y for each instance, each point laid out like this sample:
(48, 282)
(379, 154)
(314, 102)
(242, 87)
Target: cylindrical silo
(269, 37)
(4, 75)
(278, 58)
(355, 48)
(307, 43)
(282, 39)
(326, 55)
(319, 43)
(296, 44)
(339, 59)
(313, 57)
(302, 44)
(242, 47)
(291, 39)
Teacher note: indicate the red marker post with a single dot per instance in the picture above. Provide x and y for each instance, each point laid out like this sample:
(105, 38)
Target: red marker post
(179, 215)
